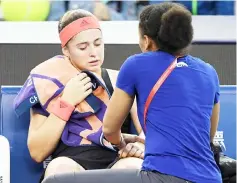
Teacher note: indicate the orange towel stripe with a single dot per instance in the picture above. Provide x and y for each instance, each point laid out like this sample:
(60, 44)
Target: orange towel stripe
(84, 134)
(101, 93)
(94, 122)
(84, 107)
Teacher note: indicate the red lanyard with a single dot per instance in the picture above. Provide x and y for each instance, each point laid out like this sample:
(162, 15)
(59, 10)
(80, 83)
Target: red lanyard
(156, 88)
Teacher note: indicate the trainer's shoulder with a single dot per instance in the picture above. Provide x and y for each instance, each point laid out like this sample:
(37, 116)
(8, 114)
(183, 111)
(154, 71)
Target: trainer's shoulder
(138, 60)
(142, 56)
(201, 64)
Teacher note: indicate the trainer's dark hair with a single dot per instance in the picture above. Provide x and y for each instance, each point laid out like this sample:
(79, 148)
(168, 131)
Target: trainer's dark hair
(71, 16)
(169, 25)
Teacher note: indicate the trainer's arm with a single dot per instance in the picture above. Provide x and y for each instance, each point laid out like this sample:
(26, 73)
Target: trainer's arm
(119, 106)
(113, 76)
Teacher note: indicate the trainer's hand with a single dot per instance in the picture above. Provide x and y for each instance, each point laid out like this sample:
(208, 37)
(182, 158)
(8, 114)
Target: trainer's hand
(131, 150)
(129, 138)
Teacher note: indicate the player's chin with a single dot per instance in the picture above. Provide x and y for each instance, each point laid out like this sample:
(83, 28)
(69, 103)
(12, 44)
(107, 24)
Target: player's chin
(94, 67)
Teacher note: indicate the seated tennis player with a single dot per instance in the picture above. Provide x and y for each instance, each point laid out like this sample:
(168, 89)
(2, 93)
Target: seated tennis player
(72, 92)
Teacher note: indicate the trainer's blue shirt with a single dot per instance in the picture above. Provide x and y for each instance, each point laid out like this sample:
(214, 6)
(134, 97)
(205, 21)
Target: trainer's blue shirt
(178, 119)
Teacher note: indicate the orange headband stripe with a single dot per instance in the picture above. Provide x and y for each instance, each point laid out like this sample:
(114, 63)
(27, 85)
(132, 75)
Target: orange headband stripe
(77, 26)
